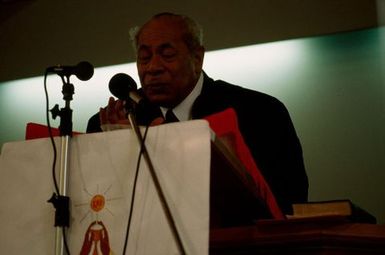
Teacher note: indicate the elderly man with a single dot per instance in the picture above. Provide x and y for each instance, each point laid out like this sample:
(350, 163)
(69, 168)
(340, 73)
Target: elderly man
(170, 55)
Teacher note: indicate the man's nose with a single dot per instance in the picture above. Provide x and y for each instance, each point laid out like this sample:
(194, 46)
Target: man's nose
(155, 65)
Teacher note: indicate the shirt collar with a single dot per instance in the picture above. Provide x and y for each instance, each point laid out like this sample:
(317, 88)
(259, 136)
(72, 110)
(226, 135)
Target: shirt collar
(183, 110)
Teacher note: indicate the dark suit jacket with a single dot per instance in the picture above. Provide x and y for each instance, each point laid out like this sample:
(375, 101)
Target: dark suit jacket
(266, 128)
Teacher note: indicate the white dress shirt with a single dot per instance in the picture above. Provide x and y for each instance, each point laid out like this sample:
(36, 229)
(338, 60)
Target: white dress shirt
(183, 110)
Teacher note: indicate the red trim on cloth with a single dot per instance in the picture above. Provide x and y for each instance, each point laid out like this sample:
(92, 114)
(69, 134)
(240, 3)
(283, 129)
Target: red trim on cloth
(225, 124)
(35, 130)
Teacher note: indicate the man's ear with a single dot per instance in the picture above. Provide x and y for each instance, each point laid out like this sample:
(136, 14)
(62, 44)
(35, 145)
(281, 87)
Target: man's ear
(199, 54)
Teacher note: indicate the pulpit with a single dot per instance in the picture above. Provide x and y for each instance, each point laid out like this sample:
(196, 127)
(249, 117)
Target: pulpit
(329, 235)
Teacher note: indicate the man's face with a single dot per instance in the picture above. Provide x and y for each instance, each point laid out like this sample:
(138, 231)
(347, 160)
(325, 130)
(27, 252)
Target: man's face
(168, 71)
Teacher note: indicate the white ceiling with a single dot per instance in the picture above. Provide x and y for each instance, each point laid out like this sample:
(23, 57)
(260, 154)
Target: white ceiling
(35, 34)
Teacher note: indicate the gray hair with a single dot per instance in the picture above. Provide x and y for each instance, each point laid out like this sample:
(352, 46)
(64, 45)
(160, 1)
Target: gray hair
(193, 37)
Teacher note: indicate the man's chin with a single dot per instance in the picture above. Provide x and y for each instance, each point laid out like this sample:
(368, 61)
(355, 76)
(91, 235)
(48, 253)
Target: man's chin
(160, 100)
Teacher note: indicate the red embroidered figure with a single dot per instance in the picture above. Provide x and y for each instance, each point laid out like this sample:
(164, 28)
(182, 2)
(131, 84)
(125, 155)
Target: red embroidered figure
(96, 240)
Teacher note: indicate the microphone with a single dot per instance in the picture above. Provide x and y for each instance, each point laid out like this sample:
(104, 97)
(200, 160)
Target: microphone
(83, 71)
(124, 87)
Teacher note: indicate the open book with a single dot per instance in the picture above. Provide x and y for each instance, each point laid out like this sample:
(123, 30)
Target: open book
(342, 207)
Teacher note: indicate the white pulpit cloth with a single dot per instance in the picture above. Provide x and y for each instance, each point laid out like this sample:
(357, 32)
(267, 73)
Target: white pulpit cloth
(101, 174)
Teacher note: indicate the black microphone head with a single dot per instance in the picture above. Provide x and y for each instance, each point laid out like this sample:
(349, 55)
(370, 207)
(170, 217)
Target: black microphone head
(84, 71)
(121, 85)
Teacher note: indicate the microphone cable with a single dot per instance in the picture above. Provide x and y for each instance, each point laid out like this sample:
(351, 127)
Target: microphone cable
(50, 133)
(166, 208)
(54, 153)
(134, 190)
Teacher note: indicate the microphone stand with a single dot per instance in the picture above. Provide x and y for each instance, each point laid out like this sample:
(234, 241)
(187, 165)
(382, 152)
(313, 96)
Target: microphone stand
(158, 187)
(61, 201)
